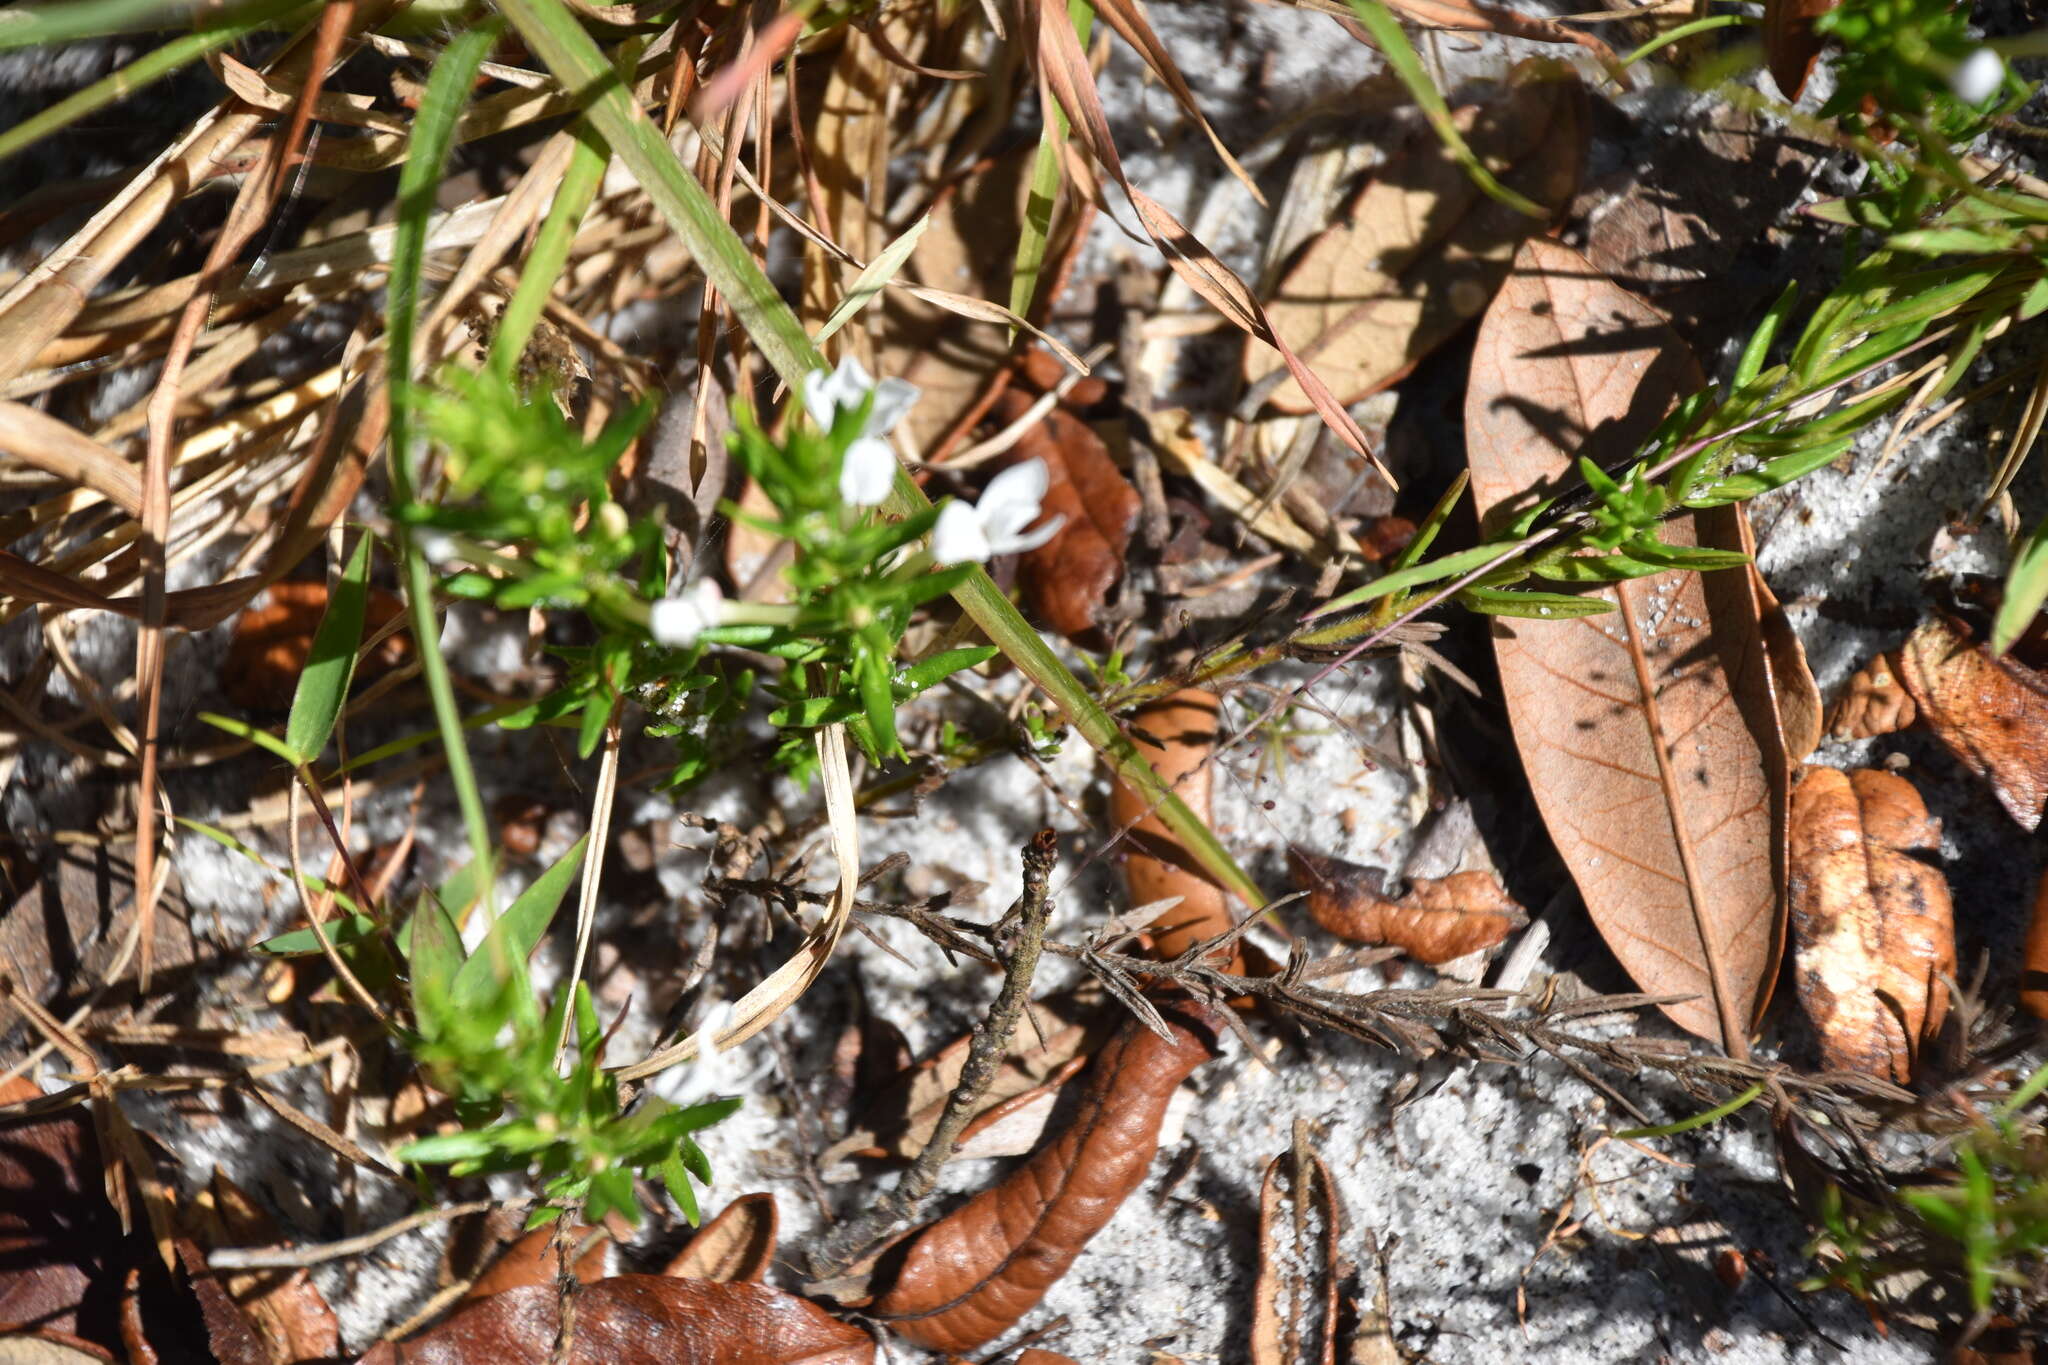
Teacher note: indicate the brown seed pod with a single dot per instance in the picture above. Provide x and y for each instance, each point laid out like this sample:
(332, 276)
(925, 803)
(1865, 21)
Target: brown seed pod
(1873, 930)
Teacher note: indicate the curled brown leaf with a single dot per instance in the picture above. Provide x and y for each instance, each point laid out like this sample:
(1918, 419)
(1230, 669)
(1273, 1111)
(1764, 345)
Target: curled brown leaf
(1177, 736)
(964, 1279)
(736, 1245)
(1790, 45)
(1440, 918)
(1876, 703)
(1991, 712)
(1872, 927)
(638, 1320)
(1294, 1300)
(286, 1309)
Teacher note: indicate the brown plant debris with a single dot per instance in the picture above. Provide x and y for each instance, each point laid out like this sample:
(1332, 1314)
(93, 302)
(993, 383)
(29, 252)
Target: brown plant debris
(1294, 1300)
(1177, 735)
(537, 1257)
(1421, 249)
(638, 1320)
(1651, 734)
(2034, 962)
(289, 1314)
(1440, 918)
(1991, 712)
(1871, 923)
(1875, 703)
(968, 1277)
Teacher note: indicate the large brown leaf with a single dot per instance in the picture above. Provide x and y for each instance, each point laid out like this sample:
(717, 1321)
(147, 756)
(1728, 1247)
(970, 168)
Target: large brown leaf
(1649, 734)
(1421, 249)
(967, 1277)
(638, 1320)
(1872, 924)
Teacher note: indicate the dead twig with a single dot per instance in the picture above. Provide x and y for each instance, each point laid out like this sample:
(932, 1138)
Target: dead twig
(1019, 937)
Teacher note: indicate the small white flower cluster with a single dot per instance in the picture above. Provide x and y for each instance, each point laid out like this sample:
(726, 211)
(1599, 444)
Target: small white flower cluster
(869, 468)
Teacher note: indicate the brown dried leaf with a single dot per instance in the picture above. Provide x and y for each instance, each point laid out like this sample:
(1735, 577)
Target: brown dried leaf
(2034, 965)
(1650, 734)
(536, 1258)
(1298, 1275)
(288, 1312)
(1035, 1356)
(1421, 249)
(639, 1320)
(271, 643)
(1790, 45)
(1177, 736)
(736, 1245)
(1876, 703)
(1991, 712)
(50, 1348)
(969, 1276)
(1069, 578)
(1440, 918)
(1871, 922)
(1055, 1032)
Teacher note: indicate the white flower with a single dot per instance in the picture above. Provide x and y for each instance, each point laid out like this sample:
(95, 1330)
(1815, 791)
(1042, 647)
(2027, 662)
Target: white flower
(995, 526)
(678, 621)
(869, 467)
(1978, 76)
(704, 1075)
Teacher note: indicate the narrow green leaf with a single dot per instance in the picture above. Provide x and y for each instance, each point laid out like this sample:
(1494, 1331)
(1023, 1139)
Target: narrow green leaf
(551, 244)
(2026, 588)
(323, 684)
(306, 943)
(443, 1148)
(241, 729)
(1545, 606)
(1393, 43)
(1426, 534)
(1700, 1120)
(1450, 566)
(1043, 195)
(873, 279)
(517, 933)
(433, 948)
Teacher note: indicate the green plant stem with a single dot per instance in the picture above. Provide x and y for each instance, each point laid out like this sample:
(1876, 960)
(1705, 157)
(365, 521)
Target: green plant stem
(433, 131)
(555, 35)
(556, 236)
(1684, 31)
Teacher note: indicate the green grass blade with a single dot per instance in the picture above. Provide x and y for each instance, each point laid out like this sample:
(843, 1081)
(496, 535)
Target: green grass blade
(144, 70)
(62, 22)
(242, 729)
(1701, 1120)
(543, 264)
(1040, 199)
(323, 684)
(517, 932)
(1400, 54)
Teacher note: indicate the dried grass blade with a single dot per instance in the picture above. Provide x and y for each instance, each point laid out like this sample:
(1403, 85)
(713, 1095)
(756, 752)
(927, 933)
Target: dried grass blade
(762, 1005)
(1127, 17)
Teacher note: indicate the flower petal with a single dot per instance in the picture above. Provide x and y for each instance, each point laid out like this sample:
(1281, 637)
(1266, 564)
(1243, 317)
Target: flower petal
(817, 394)
(867, 472)
(893, 398)
(1013, 497)
(1029, 540)
(958, 536)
